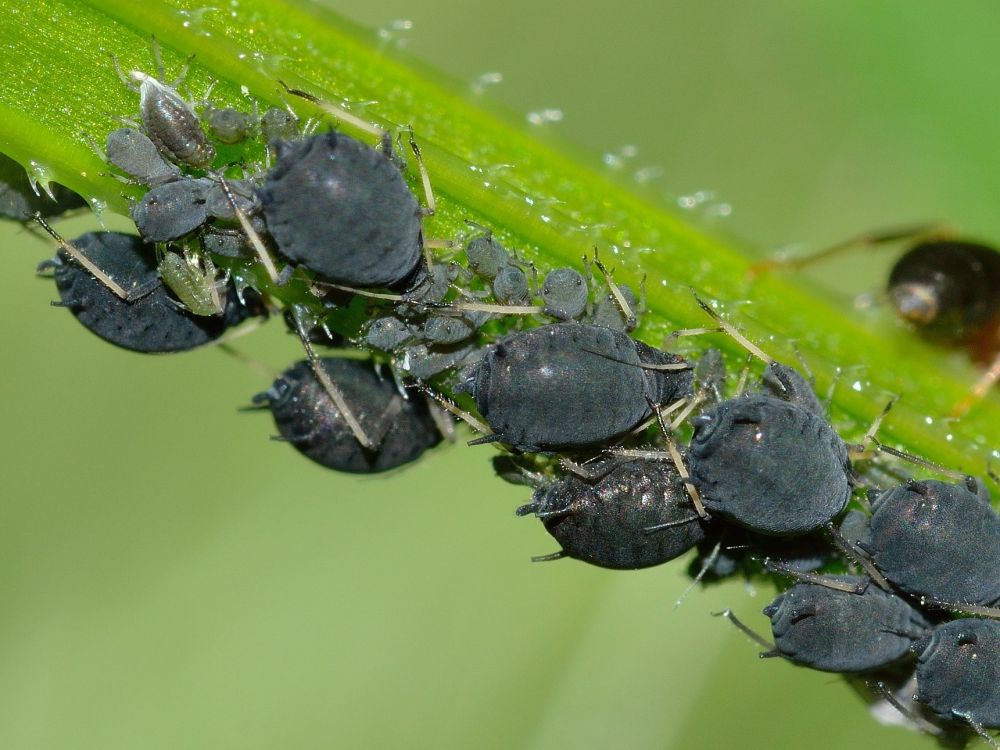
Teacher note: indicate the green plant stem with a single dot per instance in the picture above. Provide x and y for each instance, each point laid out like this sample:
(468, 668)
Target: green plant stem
(61, 93)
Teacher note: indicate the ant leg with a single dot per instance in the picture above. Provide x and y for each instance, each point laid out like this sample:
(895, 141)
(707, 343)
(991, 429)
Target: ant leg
(980, 389)
(868, 240)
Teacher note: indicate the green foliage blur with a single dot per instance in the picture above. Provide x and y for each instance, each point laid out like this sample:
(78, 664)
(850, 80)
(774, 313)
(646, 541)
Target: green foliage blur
(169, 578)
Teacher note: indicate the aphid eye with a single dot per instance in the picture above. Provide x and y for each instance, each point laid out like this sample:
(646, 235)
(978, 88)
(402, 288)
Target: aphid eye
(968, 639)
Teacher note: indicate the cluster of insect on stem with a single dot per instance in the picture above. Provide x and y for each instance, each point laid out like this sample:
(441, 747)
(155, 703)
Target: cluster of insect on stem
(635, 454)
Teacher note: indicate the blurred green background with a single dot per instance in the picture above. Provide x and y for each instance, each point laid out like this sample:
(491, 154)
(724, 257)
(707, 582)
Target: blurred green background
(169, 578)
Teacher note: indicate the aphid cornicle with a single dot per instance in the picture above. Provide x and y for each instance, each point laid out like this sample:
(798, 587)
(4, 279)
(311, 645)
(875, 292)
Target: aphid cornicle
(569, 386)
(343, 210)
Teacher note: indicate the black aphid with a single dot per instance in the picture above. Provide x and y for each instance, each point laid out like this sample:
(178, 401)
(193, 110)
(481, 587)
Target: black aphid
(769, 465)
(938, 540)
(305, 415)
(169, 121)
(228, 125)
(138, 157)
(343, 210)
(958, 672)
(571, 386)
(843, 631)
(632, 514)
(173, 209)
(150, 320)
(565, 293)
(486, 256)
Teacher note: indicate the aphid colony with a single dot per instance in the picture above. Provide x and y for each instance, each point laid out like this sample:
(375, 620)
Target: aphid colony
(591, 418)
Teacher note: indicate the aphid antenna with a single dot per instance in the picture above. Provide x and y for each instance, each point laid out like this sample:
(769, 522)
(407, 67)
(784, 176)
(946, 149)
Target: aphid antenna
(748, 631)
(336, 112)
(328, 385)
(73, 252)
(878, 238)
(251, 234)
(670, 524)
(978, 728)
(581, 470)
(675, 454)
(616, 292)
(452, 407)
(878, 686)
(918, 460)
(806, 577)
(671, 367)
(986, 381)
(853, 555)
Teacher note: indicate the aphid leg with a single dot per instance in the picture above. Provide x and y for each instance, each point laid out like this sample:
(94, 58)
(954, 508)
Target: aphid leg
(425, 179)
(444, 425)
(74, 253)
(550, 557)
(333, 110)
(681, 332)
(916, 719)
(860, 450)
(747, 631)
(254, 364)
(986, 381)
(868, 239)
(918, 460)
(850, 553)
(251, 234)
(675, 454)
(459, 412)
(616, 292)
(988, 738)
(706, 565)
(806, 577)
(328, 385)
